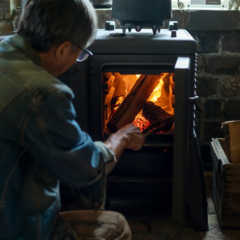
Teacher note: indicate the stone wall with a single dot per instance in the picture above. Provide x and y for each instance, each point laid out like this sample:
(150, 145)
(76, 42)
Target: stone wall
(218, 38)
(9, 15)
(5, 22)
(4, 7)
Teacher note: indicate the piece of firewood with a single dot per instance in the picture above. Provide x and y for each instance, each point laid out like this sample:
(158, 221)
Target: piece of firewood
(160, 120)
(231, 131)
(154, 113)
(163, 125)
(133, 103)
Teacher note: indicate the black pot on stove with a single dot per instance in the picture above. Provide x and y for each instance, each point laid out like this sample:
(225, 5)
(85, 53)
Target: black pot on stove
(141, 13)
(101, 3)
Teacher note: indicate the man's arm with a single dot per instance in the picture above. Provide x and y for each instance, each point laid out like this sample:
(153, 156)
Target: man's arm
(55, 141)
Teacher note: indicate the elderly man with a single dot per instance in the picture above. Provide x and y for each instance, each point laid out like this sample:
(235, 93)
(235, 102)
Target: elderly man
(40, 140)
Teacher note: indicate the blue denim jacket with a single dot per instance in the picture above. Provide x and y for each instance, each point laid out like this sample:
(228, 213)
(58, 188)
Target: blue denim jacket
(39, 140)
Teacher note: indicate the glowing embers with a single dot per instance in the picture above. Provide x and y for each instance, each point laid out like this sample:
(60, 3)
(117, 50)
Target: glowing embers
(145, 100)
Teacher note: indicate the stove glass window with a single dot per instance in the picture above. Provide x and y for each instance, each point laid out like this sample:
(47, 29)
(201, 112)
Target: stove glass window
(146, 100)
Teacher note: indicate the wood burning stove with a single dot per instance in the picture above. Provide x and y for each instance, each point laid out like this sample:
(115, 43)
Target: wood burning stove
(149, 80)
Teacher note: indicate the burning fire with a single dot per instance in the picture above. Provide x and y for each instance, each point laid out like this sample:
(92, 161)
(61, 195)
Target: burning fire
(146, 100)
(163, 95)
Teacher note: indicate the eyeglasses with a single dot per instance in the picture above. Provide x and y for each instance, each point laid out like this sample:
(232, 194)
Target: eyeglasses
(85, 53)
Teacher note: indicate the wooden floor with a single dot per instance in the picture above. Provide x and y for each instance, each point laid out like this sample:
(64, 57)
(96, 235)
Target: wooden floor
(163, 228)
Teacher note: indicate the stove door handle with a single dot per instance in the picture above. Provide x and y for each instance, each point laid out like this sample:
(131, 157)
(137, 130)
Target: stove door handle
(193, 99)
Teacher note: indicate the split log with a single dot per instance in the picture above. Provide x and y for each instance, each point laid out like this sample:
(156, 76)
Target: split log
(165, 125)
(232, 132)
(154, 113)
(159, 119)
(133, 103)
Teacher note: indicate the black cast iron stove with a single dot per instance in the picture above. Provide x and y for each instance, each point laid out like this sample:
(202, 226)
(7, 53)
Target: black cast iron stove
(118, 85)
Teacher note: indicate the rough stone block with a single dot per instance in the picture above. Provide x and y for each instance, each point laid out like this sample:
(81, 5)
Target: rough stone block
(4, 10)
(212, 130)
(201, 62)
(4, 3)
(226, 63)
(230, 41)
(231, 109)
(5, 27)
(213, 108)
(206, 20)
(208, 42)
(229, 85)
(207, 85)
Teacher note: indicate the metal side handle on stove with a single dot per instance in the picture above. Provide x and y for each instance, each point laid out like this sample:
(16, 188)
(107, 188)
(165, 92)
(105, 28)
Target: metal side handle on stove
(193, 99)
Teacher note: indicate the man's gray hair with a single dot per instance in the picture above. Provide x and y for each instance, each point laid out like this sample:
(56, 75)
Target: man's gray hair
(48, 23)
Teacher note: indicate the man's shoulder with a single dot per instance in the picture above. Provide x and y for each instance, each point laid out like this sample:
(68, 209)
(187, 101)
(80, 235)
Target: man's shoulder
(59, 90)
(18, 73)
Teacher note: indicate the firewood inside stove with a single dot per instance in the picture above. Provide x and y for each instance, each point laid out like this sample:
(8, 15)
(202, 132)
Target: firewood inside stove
(134, 101)
(154, 113)
(159, 119)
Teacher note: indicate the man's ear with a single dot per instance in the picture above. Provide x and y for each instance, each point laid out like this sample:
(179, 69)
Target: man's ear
(63, 50)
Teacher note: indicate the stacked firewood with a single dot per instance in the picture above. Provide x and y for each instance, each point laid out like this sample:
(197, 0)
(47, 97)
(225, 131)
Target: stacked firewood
(226, 175)
(231, 131)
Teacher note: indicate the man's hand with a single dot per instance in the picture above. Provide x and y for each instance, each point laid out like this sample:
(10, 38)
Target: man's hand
(127, 137)
(133, 137)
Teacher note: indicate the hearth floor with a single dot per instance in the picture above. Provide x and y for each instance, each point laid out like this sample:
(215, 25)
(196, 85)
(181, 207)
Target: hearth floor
(163, 228)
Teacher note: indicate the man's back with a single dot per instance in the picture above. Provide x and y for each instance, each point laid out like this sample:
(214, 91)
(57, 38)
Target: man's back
(22, 87)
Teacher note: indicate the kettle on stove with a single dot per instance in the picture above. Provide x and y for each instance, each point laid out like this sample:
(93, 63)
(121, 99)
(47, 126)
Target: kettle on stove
(102, 3)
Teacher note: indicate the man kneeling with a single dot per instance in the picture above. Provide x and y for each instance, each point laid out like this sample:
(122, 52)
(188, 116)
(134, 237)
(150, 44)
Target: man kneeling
(41, 143)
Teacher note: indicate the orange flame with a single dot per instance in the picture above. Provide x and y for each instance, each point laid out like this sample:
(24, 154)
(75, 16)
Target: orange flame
(120, 85)
(163, 95)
